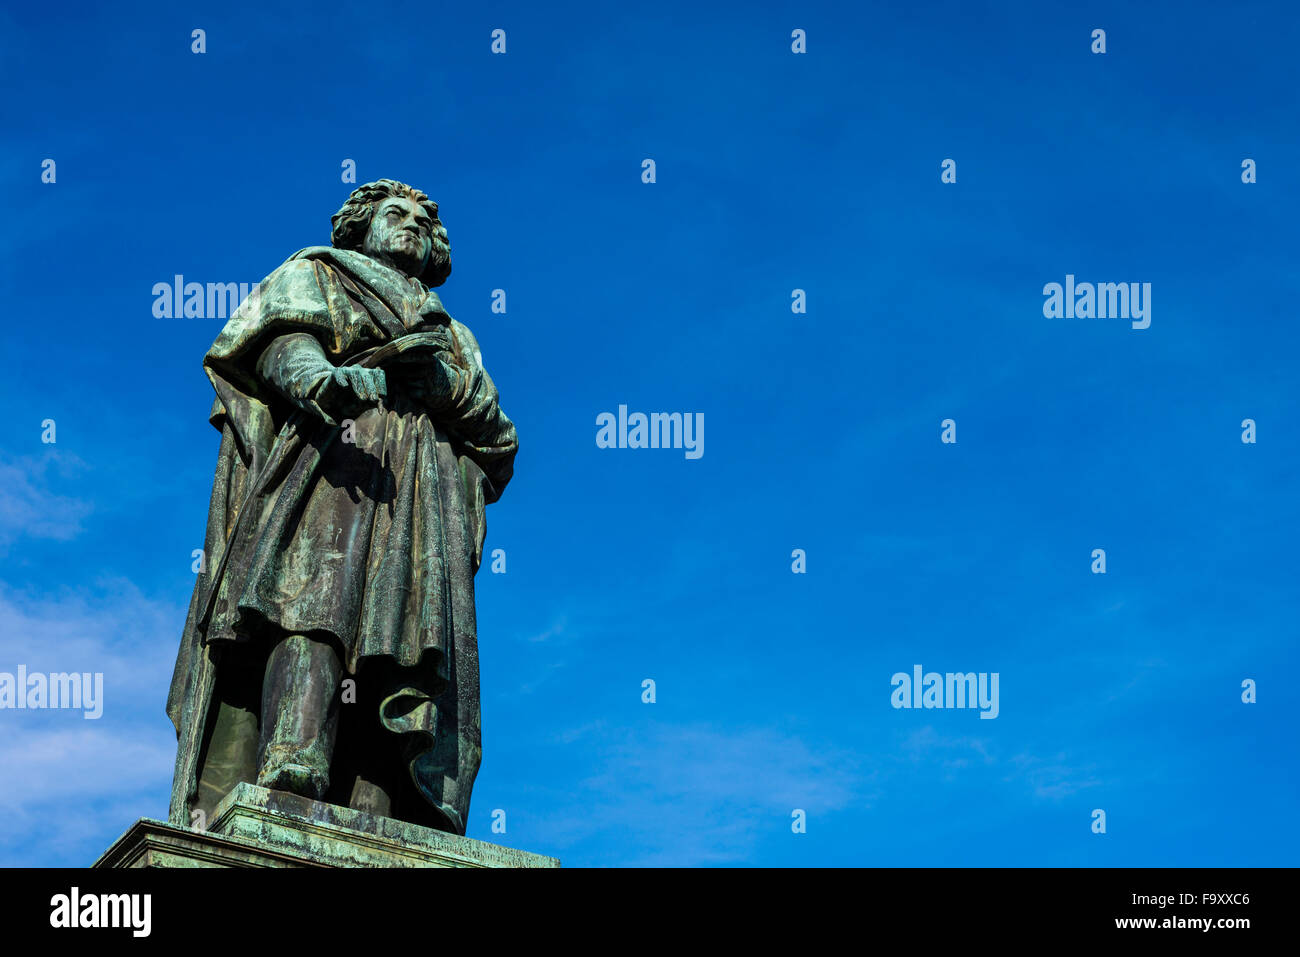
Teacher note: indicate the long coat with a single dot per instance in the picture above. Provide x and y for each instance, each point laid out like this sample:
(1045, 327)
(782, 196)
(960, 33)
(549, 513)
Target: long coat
(364, 532)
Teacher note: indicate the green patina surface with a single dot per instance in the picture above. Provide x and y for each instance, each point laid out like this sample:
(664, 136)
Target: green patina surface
(255, 827)
(331, 646)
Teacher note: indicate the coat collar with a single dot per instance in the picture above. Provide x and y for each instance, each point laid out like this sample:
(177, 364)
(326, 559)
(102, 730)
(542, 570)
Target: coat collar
(410, 300)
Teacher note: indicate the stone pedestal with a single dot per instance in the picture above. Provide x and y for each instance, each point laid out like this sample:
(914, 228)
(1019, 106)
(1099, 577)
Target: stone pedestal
(254, 827)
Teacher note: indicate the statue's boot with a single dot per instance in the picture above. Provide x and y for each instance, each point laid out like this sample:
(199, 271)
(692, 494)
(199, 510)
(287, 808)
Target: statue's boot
(300, 712)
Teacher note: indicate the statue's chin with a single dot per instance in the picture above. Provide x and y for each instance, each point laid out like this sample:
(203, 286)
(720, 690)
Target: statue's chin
(410, 266)
(403, 264)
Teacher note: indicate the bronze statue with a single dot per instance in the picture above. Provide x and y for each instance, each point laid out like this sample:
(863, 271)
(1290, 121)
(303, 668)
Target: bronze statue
(330, 648)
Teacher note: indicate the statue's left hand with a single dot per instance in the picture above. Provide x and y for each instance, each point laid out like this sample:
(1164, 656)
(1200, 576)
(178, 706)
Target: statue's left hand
(427, 379)
(353, 385)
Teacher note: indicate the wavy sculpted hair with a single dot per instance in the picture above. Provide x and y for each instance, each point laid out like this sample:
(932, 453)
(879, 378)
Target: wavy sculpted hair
(352, 222)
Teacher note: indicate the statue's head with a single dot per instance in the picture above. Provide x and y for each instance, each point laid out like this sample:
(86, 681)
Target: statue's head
(397, 225)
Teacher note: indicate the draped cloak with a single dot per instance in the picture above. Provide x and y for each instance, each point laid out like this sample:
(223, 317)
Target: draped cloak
(367, 533)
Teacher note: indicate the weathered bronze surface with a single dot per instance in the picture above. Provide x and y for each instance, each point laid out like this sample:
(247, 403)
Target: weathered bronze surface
(254, 827)
(330, 649)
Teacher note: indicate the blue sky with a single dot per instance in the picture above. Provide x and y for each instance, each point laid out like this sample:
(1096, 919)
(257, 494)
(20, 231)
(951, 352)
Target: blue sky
(775, 172)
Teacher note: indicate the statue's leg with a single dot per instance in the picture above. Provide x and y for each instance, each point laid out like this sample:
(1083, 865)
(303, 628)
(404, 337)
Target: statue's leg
(231, 743)
(375, 761)
(300, 713)
(371, 792)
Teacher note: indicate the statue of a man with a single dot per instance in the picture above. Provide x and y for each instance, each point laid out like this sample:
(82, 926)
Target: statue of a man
(330, 648)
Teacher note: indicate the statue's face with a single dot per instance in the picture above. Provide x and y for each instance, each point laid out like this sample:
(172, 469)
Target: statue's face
(402, 234)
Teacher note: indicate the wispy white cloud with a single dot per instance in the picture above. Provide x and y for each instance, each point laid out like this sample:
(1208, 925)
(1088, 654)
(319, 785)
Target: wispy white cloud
(69, 792)
(554, 631)
(1053, 777)
(683, 795)
(556, 634)
(71, 786)
(110, 627)
(28, 508)
(49, 767)
(926, 744)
